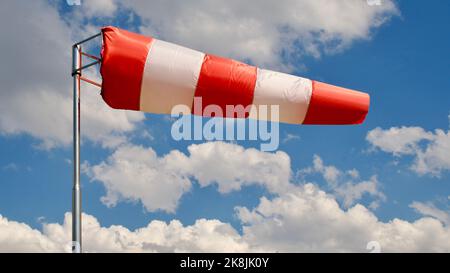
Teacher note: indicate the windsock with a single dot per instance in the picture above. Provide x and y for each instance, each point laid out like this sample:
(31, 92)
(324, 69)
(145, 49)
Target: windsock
(147, 74)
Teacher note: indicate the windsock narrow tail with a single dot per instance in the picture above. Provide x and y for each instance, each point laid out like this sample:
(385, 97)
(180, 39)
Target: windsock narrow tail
(146, 74)
(331, 104)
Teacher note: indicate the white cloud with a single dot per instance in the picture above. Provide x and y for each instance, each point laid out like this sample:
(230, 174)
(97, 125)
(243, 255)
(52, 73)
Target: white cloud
(231, 166)
(203, 236)
(330, 173)
(351, 192)
(134, 173)
(346, 185)
(398, 140)
(262, 30)
(430, 149)
(429, 209)
(36, 91)
(99, 8)
(19, 237)
(308, 219)
(11, 167)
(304, 219)
(353, 173)
(290, 137)
(435, 158)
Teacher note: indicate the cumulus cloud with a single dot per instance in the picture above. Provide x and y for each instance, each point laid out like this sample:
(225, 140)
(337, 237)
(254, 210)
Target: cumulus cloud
(230, 166)
(304, 219)
(36, 91)
(135, 173)
(19, 237)
(350, 192)
(203, 236)
(262, 31)
(308, 219)
(345, 185)
(398, 140)
(430, 149)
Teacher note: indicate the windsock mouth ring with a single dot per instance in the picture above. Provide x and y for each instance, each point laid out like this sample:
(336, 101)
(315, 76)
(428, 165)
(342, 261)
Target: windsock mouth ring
(123, 58)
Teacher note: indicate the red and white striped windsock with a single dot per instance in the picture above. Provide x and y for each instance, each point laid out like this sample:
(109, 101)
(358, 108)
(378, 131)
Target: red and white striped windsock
(146, 74)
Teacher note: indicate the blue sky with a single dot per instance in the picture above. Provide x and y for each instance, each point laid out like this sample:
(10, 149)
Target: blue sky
(403, 64)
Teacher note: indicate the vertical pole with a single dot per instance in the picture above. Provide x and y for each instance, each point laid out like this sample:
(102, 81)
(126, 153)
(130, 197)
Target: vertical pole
(76, 190)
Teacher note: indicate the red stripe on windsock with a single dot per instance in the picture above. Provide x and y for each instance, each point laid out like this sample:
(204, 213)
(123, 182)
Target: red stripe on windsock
(225, 82)
(123, 60)
(335, 105)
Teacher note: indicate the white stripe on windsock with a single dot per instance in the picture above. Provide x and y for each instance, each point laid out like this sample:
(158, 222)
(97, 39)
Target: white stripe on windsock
(291, 93)
(170, 77)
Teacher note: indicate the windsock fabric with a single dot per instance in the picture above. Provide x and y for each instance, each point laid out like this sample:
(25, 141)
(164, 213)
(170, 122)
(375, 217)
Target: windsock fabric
(146, 74)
